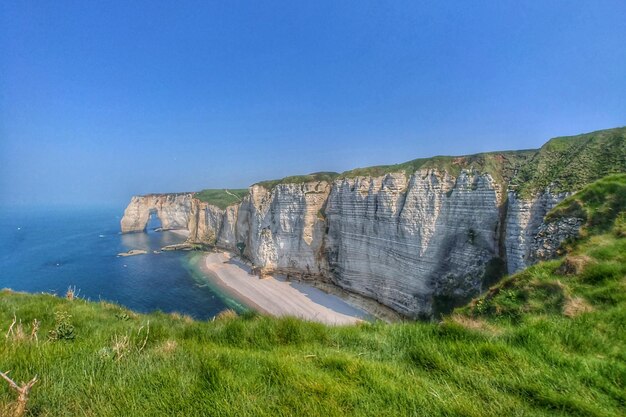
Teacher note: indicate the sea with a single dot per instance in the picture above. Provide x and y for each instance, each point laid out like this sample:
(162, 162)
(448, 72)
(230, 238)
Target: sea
(51, 249)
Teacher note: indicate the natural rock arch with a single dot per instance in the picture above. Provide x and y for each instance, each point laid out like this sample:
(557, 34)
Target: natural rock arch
(172, 210)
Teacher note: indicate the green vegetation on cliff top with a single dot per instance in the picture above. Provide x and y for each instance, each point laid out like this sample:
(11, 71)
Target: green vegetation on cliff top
(501, 165)
(547, 341)
(222, 198)
(600, 204)
(299, 179)
(566, 163)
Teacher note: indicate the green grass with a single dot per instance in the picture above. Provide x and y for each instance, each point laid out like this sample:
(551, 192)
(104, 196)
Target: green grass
(501, 165)
(547, 341)
(299, 179)
(222, 198)
(518, 356)
(569, 163)
(564, 163)
(599, 203)
(515, 353)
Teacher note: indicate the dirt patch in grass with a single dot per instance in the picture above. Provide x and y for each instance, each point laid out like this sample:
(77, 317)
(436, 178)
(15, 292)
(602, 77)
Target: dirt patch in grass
(476, 324)
(574, 265)
(575, 306)
(167, 347)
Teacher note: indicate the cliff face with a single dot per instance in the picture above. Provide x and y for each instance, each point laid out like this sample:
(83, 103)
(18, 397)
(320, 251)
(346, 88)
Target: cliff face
(411, 242)
(417, 241)
(523, 221)
(415, 244)
(282, 228)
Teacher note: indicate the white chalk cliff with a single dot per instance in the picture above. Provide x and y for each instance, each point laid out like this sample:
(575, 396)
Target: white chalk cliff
(417, 242)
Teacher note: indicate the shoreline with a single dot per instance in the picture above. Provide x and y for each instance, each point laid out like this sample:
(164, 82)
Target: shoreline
(278, 297)
(180, 232)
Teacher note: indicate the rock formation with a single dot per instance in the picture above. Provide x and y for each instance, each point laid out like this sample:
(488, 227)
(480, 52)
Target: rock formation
(418, 241)
(172, 209)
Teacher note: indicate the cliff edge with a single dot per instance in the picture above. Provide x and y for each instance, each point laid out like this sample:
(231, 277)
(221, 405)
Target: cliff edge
(419, 237)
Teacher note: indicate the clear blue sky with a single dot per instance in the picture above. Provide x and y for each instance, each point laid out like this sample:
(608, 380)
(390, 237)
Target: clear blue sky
(102, 100)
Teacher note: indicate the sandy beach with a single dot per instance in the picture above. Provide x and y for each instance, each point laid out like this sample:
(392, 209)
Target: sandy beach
(276, 296)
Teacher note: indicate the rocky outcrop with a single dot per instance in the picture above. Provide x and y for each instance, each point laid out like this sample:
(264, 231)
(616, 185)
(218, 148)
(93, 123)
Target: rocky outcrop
(523, 221)
(550, 237)
(173, 211)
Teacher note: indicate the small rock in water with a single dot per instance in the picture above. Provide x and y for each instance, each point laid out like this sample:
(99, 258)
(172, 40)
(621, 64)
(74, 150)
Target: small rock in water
(133, 252)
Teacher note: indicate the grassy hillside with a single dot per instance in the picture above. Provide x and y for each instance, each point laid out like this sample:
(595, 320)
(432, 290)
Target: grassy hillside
(571, 162)
(568, 163)
(501, 165)
(550, 341)
(222, 198)
(601, 204)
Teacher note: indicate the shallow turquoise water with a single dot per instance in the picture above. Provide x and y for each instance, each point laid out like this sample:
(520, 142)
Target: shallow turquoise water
(49, 249)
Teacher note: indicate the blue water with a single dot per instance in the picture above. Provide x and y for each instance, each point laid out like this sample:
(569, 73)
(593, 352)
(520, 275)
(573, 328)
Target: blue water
(48, 250)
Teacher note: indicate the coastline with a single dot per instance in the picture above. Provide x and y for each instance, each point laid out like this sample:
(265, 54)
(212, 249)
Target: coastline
(180, 232)
(275, 296)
